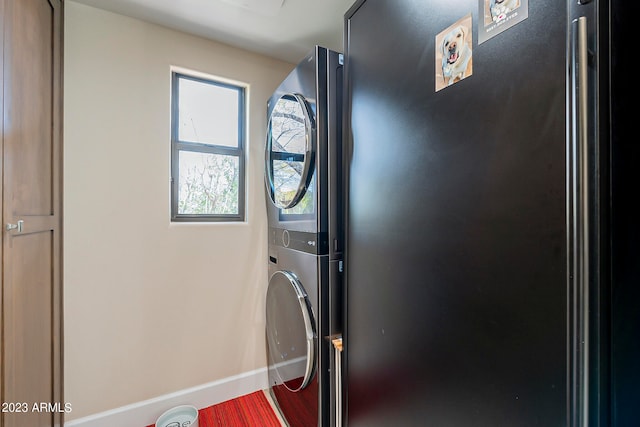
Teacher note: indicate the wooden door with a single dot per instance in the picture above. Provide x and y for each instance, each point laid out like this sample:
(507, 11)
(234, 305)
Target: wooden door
(31, 211)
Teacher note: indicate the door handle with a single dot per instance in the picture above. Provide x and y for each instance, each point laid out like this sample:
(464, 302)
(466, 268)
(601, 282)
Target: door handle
(19, 226)
(580, 189)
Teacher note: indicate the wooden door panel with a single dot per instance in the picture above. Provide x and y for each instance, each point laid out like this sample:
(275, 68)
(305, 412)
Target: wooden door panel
(31, 184)
(28, 114)
(28, 326)
(2, 85)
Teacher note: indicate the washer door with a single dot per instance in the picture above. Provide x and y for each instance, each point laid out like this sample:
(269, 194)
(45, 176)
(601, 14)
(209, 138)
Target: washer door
(290, 331)
(289, 152)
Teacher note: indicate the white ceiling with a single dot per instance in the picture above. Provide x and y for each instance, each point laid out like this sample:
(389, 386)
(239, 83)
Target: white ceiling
(286, 30)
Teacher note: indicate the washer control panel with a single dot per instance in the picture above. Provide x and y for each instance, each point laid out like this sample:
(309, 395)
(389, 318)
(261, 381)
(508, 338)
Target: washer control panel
(313, 243)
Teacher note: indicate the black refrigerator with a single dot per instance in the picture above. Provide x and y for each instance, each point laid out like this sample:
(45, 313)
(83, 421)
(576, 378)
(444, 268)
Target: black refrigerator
(491, 261)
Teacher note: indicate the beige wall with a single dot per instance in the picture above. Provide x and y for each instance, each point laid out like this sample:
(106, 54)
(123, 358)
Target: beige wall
(151, 307)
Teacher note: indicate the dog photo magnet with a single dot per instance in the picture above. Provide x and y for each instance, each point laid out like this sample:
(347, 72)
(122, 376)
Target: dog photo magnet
(499, 15)
(453, 53)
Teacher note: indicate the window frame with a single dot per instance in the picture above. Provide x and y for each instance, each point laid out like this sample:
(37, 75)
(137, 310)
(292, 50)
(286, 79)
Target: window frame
(178, 146)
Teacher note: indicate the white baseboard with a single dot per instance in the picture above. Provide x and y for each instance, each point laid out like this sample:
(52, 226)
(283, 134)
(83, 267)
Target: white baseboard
(145, 413)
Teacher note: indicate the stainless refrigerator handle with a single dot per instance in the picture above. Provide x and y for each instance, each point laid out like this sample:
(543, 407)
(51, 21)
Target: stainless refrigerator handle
(580, 117)
(337, 348)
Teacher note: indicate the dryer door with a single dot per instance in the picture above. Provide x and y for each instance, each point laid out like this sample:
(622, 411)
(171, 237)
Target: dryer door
(290, 149)
(290, 331)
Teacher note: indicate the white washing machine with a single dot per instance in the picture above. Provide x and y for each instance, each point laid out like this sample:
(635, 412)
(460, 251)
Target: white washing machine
(303, 176)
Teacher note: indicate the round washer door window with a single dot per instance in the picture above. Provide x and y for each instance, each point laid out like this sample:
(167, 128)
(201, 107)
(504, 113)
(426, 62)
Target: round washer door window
(289, 150)
(290, 331)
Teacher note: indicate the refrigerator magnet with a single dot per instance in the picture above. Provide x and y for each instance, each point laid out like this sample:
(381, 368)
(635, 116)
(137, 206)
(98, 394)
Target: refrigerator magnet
(500, 15)
(454, 48)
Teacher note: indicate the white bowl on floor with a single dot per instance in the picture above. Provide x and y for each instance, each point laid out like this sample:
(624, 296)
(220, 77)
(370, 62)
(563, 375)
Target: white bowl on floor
(180, 416)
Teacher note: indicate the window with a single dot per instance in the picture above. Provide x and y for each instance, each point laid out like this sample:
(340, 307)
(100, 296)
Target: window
(207, 150)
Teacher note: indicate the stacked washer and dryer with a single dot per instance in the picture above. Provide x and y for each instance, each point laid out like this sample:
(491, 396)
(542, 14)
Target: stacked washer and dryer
(303, 175)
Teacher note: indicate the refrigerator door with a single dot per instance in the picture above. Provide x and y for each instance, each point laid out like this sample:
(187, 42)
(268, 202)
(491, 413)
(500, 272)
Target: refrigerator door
(456, 259)
(625, 227)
